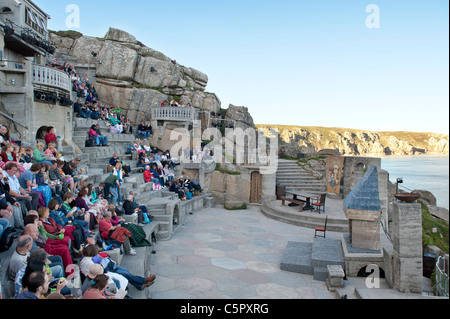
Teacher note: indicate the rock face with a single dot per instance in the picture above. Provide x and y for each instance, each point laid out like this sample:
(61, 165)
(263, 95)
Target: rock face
(348, 142)
(134, 76)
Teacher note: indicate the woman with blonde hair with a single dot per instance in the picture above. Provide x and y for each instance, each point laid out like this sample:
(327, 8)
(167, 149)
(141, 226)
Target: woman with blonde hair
(52, 153)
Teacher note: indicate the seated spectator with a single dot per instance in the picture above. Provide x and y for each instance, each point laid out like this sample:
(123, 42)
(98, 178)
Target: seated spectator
(53, 228)
(70, 169)
(42, 187)
(85, 111)
(138, 282)
(141, 134)
(19, 257)
(167, 174)
(130, 209)
(116, 127)
(125, 122)
(177, 187)
(39, 156)
(149, 178)
(116, 234)
(8, 154)
(55, 177)
(143, 160)
(80, 202)
(58, 249)
(37, 261)
(148, 130)
(37, 286)
(79, 234)
(4, 225)
(5, 138)
(28, 158)
(50, 137)
(77, 108)
(96, 205)
(30, 200)
(10, 209)
(94, 271)
(156, 174)
(90, 98)
(187, 183)
(52, 153)
(73, 214)
(99, 139)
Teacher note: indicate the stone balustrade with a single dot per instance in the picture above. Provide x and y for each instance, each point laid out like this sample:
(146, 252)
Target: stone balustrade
(173, 114)
(46, 76)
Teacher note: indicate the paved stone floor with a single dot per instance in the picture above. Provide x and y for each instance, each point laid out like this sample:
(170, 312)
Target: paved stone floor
(220, 254)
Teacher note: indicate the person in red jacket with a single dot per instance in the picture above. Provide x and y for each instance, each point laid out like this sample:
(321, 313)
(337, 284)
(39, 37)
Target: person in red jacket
(50, 137)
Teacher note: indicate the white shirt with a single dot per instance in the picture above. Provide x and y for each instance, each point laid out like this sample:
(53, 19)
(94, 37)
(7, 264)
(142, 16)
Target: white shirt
(14, 184)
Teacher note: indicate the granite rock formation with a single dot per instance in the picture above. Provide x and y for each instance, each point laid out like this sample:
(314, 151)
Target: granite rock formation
(134, 76)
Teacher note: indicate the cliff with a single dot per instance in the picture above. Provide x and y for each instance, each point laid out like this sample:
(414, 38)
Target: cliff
(136, 78)
(350, 142)
(131, 75)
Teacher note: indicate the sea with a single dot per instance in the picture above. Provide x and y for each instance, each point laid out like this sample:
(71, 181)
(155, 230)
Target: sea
(425, 172)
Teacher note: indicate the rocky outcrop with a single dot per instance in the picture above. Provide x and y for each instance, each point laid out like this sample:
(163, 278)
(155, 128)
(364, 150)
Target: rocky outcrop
(312, 140)
(134, 76)
(241, 116)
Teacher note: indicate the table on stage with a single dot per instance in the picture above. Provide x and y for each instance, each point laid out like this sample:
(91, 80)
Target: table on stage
(301, 197)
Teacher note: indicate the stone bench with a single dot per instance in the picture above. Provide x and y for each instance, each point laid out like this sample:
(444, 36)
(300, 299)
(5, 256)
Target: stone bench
(295, 201)
(335, 278)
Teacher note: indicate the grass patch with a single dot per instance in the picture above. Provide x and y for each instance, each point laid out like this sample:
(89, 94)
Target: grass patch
(225, 171)
(74, 35)
(440, 238)
(243, 207)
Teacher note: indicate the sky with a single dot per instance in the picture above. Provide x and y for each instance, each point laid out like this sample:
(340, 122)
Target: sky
(378, 65)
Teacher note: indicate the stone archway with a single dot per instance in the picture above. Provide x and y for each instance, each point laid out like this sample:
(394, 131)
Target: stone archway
(41, 132)
(256, 188)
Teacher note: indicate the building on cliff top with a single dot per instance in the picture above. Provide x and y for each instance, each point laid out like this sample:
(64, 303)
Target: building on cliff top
(33, 96)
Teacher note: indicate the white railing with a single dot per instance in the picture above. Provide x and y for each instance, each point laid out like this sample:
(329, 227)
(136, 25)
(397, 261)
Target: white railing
(173, 113)
(441, 278)
(42, 75)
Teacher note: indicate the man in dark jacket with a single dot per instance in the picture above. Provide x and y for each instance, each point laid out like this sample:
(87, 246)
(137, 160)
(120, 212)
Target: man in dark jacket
(130, 209)
(9, 207)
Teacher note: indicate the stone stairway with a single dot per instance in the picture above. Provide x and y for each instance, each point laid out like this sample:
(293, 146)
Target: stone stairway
(168, 211)
(294, 178)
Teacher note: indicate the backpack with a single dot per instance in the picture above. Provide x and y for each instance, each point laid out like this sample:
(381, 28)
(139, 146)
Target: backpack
(89, 143)
(7, 239)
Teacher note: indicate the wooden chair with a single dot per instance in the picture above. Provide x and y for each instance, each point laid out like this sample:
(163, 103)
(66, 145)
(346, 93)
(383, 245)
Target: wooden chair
(322, 232)
(320, 205)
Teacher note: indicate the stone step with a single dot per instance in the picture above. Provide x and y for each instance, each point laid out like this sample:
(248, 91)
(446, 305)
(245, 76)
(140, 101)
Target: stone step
(305, 219)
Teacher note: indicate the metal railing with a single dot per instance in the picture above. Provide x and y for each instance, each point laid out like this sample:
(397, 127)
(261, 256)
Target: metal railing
(42, 75)
(173, 113)
(441, 278)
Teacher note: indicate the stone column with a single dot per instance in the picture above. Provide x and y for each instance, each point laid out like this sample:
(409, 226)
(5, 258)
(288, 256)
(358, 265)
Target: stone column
(269, 186)
(407, 238)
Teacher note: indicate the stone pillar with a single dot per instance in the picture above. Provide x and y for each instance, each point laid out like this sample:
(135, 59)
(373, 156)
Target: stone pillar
(269, 187)
(407, 256)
